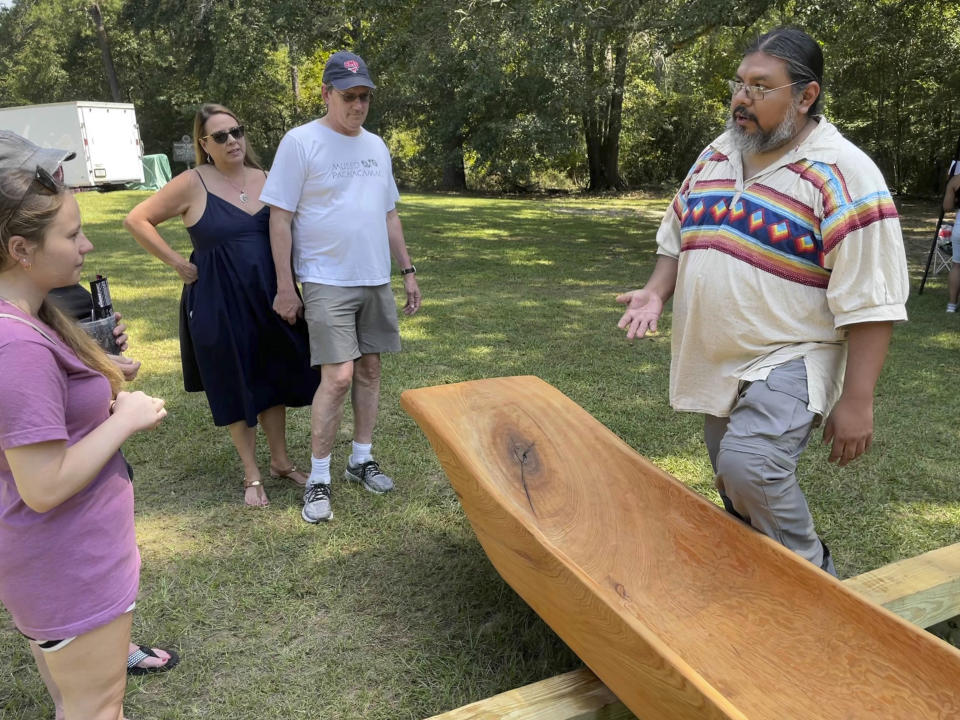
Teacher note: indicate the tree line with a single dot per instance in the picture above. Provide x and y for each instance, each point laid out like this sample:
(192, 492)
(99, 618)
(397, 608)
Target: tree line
(502, 95)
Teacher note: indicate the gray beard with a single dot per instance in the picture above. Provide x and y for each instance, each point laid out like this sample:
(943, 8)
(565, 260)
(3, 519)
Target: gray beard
(763, 141)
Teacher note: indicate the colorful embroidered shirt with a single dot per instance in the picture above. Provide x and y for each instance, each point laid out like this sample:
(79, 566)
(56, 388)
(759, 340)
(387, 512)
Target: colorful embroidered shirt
(772, 267)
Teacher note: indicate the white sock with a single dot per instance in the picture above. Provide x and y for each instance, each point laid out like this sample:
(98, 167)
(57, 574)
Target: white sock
(319, 470)
(951, 307)
(361, 453)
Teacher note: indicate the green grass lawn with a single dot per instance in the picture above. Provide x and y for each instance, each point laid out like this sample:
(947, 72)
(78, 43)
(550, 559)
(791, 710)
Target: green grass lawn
(392, 611)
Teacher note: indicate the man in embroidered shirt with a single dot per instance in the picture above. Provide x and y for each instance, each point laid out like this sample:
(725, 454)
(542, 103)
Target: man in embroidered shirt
(783, 253)
(333, 210)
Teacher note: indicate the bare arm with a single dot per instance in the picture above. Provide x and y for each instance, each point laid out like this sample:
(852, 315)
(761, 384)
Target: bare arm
(645, 305)
(398, 248)
(849, 426)
(950, 194)
(287, 304)
(174, 198)
(48, 473)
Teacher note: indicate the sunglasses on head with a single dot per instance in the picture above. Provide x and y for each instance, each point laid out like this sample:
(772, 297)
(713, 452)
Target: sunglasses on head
(45, 180)
(220, 137)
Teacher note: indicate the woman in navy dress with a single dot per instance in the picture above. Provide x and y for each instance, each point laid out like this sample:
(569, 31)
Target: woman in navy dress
(250, 362)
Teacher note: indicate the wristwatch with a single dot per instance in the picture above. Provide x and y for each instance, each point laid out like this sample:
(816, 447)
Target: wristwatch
(407, 271)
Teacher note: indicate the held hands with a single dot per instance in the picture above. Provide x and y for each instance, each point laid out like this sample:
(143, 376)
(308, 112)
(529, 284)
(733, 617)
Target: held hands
(120, 333)
(187, 271)
(849, 427)
(139, 410)
(643, 310)
(413, 294)
(127, 367)
(287, 305)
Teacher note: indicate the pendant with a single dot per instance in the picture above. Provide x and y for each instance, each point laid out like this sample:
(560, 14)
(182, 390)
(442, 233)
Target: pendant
(243, 197)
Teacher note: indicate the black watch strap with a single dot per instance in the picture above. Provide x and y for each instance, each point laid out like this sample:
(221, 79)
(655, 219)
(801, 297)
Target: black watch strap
(409, 270)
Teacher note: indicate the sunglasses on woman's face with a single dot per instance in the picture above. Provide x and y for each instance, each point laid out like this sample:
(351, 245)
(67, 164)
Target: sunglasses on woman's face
(221, 136)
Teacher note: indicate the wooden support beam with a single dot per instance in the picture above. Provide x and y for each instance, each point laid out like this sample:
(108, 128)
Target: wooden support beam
(924, 590)
(576, 695)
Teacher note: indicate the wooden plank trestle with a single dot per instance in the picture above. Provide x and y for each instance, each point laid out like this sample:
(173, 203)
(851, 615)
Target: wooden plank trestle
(681, 611)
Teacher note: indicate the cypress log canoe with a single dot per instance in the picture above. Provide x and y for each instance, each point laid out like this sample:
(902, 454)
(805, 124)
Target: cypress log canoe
(682, 611)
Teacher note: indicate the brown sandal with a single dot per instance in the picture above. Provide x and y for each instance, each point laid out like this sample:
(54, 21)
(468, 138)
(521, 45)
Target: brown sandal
(291, 474)
(247, 485)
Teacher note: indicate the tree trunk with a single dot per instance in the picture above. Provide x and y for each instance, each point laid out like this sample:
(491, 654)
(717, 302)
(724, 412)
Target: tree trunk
(603, 116)
(454, 175)
(610, 153)
(108, 69)
(294, 77)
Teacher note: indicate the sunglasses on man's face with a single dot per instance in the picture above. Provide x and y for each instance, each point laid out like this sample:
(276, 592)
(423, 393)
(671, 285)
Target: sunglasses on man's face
(221, 136)
(351, 97)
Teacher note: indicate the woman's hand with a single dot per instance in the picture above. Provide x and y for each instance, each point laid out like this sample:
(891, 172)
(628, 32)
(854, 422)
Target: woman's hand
(187, 271)
(141, 411)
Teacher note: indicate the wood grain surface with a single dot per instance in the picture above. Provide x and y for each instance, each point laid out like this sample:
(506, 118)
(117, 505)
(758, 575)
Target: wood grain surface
(683, 612)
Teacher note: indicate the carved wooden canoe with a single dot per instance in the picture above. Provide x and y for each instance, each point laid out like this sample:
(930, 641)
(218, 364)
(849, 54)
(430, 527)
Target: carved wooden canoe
(679, 609)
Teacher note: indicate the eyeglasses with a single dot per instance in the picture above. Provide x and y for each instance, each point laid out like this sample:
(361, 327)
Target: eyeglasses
(351, 97)
(756, 92)
(220, 137)
(45, 180)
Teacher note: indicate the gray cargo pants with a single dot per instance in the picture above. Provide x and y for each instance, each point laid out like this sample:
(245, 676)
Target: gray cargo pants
(754, 454)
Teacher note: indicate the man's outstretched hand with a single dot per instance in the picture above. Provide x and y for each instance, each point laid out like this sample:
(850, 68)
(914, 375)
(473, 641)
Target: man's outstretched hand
(643, 310)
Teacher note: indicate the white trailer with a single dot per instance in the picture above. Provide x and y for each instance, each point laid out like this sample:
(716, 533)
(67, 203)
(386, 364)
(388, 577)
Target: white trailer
(105, 136)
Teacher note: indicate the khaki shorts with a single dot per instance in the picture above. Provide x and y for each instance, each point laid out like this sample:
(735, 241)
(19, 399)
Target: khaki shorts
(347, 322)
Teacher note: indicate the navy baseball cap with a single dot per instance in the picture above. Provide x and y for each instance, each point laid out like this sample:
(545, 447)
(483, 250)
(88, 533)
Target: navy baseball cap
(345, 70)
(18, 152)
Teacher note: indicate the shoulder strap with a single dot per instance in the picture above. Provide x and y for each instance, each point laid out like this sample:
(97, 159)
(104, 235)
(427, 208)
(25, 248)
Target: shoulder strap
(201, 179)
(27, 322)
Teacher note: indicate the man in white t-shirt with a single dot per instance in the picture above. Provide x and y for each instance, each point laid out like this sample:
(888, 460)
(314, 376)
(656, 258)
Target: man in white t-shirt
(333, 227)
(784, 257)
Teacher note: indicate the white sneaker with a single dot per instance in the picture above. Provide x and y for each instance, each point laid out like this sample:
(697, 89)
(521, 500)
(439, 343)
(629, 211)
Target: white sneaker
(316, 503)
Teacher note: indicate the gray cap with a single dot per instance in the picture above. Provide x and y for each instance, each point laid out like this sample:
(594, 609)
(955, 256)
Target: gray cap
(345, 70)
(18, 152)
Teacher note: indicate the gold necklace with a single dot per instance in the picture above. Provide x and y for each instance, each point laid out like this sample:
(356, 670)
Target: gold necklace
(242, 190)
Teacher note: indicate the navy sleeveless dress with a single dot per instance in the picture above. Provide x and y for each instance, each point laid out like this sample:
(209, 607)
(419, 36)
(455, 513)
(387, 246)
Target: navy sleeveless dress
(233, 345)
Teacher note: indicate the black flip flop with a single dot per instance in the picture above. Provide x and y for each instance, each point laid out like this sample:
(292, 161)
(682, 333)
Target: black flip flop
(145, 652)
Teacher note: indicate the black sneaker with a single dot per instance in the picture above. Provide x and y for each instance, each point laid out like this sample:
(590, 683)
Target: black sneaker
(316, 503)
(370, 475)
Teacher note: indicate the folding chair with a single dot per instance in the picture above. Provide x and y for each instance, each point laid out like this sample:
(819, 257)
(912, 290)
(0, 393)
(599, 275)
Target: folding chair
(943, 256)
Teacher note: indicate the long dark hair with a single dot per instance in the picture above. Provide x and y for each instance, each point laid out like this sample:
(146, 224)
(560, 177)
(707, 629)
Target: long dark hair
(207, 111)
(800, 52)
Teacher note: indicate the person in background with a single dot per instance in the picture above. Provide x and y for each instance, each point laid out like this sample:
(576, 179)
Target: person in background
(783, 254)
(250, 363)
(69, 564)
(17, 152)
(333, 214)
(951, 201)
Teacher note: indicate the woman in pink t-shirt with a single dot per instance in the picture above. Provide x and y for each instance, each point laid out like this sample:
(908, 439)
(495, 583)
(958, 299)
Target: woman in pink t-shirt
(69, 565)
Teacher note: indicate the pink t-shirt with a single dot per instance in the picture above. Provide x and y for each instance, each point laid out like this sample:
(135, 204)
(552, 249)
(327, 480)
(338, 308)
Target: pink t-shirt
(76, 567)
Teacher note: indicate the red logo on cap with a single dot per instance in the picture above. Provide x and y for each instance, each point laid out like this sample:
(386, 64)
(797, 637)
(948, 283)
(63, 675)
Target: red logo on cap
(352, 65)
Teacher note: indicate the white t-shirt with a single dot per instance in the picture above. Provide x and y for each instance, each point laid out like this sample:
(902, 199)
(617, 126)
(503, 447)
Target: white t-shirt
(340, 189)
